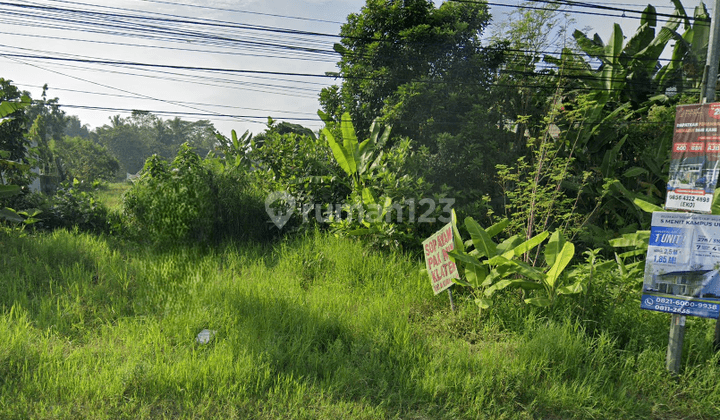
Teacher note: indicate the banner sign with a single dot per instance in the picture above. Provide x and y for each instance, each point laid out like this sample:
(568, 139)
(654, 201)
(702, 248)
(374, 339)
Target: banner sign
(694, 158)
(437, 261)
(682, 268)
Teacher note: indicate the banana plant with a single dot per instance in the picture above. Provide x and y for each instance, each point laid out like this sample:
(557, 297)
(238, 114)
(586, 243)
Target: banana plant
(688, 57)
(235, 148)
(7, 190)
(490, 267)
(360, 160)
(8, 107)
(629, 72)
(357, 159)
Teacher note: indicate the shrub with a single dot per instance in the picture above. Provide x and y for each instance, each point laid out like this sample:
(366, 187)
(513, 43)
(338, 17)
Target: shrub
(72, 206)
(289, 158)
(195, 200)
(173, 202)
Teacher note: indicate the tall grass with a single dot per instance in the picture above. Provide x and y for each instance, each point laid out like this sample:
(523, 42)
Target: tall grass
(314, 327)
(110, 195)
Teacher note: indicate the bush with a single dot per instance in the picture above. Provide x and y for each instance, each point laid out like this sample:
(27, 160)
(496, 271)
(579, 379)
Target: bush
(72, 206)
(173, 202)
(194, 200)
(290, 158)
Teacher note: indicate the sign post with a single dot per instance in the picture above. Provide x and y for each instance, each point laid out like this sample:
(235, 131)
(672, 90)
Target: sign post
(675, 343)
(709, 85)
(682, 272)
(441, 269)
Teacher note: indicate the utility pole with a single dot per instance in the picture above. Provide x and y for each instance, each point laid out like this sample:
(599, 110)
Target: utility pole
(708, 94)
(713, 57)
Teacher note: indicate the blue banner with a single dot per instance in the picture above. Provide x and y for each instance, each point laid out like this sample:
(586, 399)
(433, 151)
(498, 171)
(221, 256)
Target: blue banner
(680, 306)
(682, 268)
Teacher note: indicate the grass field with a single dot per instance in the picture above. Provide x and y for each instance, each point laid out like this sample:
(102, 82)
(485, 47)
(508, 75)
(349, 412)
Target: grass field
(111, 195)
(314, 327)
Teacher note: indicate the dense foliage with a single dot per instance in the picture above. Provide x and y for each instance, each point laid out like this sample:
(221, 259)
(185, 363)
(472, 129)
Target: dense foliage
(173, 202)
(85, 160)
(423, 71)
(192, 200)
(13, 143)
(134, 139)
(552, 180)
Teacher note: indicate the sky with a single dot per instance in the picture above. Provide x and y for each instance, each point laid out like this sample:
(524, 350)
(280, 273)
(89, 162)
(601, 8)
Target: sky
(231, 62)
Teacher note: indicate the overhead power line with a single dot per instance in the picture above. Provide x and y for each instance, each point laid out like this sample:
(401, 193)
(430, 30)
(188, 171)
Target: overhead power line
(116, 95)
(616, 9)
(181, 113)
(316, 119)
(161, 17)
(165, 66)
(581, 12)
(242, 11)
(264, 72)
(272, 42)
(328, 58)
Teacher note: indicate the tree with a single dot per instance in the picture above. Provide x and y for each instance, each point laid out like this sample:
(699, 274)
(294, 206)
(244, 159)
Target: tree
(199, 134)
(47, 124)
(75, 128)
(423, 71)
(86, 160)
(528, 77)
(14, 162)
(126, 142)
(10, 170)
(54, 119)
(132, 140)
(399, 58)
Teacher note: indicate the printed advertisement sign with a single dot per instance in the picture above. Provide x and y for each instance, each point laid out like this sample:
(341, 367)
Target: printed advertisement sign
(682, 269)
(437, 261)
(694, 158)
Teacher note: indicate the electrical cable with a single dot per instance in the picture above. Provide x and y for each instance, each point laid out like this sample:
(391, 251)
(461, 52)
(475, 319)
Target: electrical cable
(153, 26)
(115, 95)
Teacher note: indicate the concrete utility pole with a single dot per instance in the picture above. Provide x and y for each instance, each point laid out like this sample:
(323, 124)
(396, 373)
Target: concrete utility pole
(713, 57)
(708, 93)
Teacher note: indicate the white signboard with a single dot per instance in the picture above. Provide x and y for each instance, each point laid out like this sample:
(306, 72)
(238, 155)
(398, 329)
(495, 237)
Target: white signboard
(437, 261)
(695, 158)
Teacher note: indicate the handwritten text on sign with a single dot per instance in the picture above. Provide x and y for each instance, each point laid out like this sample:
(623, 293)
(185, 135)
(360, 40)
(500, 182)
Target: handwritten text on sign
(437, 261)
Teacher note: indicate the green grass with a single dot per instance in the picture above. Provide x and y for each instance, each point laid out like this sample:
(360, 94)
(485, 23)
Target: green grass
(111, 195)
(315, 327)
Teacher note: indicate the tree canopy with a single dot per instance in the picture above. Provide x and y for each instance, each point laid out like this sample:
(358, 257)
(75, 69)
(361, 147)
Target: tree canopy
(417, 67)
(133, 139)
(424, 71)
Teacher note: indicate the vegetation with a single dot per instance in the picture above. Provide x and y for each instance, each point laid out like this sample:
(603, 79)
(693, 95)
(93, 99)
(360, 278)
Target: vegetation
(134, 139)
(316, 327)
(329, 314)
(423, 71)
(111, 195)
